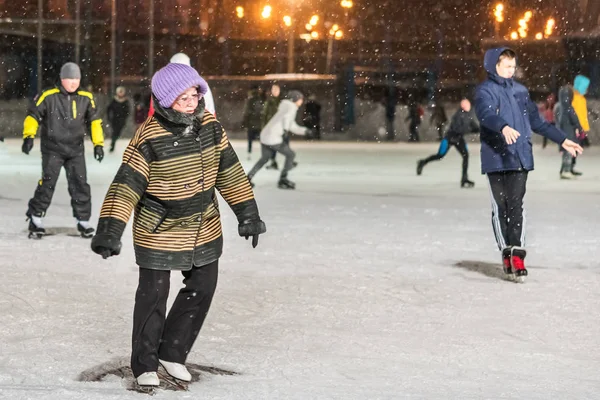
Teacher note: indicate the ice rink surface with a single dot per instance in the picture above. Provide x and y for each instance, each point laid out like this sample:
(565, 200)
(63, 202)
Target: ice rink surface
(371, 283)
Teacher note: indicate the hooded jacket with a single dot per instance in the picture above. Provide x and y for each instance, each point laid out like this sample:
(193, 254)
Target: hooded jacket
(283, 121)
(501, 102)
(565, 116)
(581, 86)
(168, 177)
(63, 120)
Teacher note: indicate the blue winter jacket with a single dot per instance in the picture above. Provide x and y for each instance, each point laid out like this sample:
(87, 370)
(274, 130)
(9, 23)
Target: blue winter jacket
(500, 102)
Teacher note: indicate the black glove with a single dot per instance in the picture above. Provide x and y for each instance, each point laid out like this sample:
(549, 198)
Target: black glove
(27, 145)
(99, 153)
(106, 245)
(252, 228)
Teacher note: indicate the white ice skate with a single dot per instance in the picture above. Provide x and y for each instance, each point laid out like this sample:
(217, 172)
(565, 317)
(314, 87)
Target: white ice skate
(148, 379)
(177, 371)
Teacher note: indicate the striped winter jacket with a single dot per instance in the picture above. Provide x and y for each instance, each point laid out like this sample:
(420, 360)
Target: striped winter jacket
(169, 174)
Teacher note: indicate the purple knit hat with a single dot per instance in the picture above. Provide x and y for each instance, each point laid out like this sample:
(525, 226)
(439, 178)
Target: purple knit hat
(172, 80)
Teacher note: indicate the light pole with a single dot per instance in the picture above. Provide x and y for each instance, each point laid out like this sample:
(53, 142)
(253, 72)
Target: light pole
(287, 20)
(40, 43)
(113, 44)
(151, 41)
(334, 33)
(499, 18)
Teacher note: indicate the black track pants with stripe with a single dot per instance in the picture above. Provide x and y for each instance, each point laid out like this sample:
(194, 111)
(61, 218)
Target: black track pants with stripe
(507, 190)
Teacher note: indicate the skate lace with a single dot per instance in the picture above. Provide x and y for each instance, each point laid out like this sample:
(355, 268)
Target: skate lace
(517, 263)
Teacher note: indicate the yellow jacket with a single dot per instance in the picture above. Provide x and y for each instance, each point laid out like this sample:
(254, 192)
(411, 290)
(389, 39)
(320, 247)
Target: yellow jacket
(580, 106)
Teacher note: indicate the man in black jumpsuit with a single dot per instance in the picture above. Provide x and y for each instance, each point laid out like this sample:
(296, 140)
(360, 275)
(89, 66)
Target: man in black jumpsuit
(463, 122)
(63, 114)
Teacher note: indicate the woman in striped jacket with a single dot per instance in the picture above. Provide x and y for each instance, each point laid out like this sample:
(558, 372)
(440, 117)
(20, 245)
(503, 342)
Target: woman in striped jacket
(168, 177)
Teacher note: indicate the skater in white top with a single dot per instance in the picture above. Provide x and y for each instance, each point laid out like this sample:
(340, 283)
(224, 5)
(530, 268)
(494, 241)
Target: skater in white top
(272, 137)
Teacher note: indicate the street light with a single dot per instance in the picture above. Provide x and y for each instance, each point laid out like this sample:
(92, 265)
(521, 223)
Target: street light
(499, 17)
(514, 35)
(550, 25)
(239, 10)
(346, 3)
(522, 28)
(334, 33)
(314, 20)
(539, 36)
(266, 12)
(287, 20)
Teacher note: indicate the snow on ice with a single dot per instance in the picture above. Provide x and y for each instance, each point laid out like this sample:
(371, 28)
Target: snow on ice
(371, 283)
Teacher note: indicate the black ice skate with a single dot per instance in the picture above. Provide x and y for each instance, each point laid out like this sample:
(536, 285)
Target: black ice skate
(420, 165)
(36, 226)
(85, 230)
(517, 263)
(467, 184)
(284, 183)
(576, 173)
(35, 232)
(273, 165)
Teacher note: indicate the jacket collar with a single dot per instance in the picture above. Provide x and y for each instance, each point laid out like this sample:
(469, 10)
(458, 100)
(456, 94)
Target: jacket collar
(60, 87)
(176, 122)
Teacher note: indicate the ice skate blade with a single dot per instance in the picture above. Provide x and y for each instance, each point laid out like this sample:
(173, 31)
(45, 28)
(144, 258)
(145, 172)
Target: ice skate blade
(35, 236)
(510, 277)
(521, 279)
(87, 235)
(145, 389)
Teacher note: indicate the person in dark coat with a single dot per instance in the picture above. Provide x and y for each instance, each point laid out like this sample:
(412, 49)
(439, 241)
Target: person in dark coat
(117, 113)
(390, 100)
(252, 119)
(463, 122)
(568, 122)
(312, 117)
(508, 116)
(171, 172)
(438, 119)
(63, 115)
(415, 116)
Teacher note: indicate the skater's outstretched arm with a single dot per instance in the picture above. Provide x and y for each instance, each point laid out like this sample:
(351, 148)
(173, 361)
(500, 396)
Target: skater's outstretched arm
(541, 127)
(234, 186)
(291, 125)
(93, 120)
(232, 182)
(125, 191)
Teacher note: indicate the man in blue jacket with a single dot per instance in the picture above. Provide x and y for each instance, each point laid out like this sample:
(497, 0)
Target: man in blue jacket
(507, 117)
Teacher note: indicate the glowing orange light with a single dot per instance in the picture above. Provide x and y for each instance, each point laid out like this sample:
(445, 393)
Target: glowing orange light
(266, 12)
(239, 10)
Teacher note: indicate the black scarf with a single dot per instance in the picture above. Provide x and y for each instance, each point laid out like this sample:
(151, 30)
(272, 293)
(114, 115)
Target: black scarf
(179, 123)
